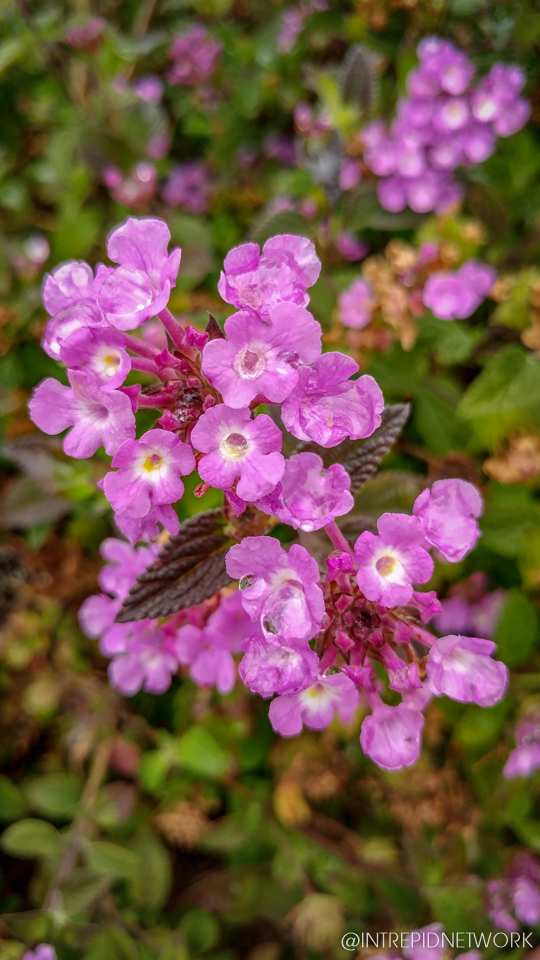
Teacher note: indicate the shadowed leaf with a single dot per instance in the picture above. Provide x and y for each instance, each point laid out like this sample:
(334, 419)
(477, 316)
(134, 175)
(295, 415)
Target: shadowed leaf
(358, 82)
(189, 569)
(213, 329)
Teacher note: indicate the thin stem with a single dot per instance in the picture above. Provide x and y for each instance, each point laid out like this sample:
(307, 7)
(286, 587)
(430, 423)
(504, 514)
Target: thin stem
(139, 347)
(172, 327)
(145, 366)
(337, 538)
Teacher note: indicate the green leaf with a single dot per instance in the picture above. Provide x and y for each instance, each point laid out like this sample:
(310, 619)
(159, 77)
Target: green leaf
(201, 930)
(436, 419)
(201, 754)
(479, 728)
(12, 802)
(113, 943)
(31, 838)
(511, 519)
(504, 397)
(151, 882)
(111, 860)
(517, 629)
(55, 795)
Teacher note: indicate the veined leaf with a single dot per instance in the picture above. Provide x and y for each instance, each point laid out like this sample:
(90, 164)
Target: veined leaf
(189, 569)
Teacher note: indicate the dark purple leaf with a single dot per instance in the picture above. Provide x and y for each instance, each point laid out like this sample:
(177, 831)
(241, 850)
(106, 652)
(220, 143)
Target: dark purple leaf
(189, 569)
(213, 329)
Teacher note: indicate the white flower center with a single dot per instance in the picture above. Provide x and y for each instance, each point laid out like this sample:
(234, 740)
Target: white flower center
(107, 361)
(235, 446)
(250, 362)
(389, 566)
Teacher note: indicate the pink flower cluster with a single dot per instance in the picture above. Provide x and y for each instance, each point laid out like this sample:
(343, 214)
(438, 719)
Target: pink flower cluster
(43, 951)
(194, 56)
(453, 296)
(314, 641)
(524, 759)
(445, 121)
(514, 899)
(188, 186)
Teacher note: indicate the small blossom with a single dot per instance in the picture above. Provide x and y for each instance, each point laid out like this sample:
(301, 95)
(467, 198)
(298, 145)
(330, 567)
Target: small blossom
(308, 495)
(194, 54)
(452, 296)
(99, 351)
(269, 668)
(280, 590)
(282, 272)
(448, 513)
(43, 951)
(238, 449)
(188, 186)
(147, 662)
(392, 736)
(95, 417)
(462, 668)
(67, 285)
(83, 315)
(140, 287)
(316, 706)
(208, 650)
(260, 359)
(147, 473)
(355, 305)
(392, 561)
(524, 759)
(327, 407)
(516, 896)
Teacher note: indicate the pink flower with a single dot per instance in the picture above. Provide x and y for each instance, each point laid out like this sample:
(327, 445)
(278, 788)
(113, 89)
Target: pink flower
(69, 284)
(259, 359)
(140, 287)
(355, 305)
(448, 514)
(43, 951)
(392, 736)
(101, 352)
(194, 55)
(188, 186)
(83, 315)
(208, 650)
(147, 662)
(390, 563)
(282, 272)
(516, 896)
(524, 759)
(328, 407)
(316, 706)
(96, 417)
(308, 495)
(462, 668)
(238, 450)
(280, 590)
(268, 668)
(147, 473)
(450, 296)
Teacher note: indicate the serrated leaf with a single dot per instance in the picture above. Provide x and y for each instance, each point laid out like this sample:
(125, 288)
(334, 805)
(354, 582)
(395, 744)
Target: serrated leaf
(30, 838)
(189, 569)
(361, 460)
